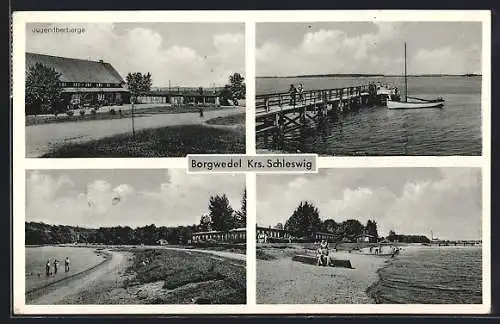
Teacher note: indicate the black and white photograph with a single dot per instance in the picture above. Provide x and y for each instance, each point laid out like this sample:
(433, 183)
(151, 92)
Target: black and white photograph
(148, 236)
(108, 90)
(370, 236)
(369, 88)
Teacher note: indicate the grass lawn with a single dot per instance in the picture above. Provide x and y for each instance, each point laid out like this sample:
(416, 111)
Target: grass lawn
(237, 119)
(187, 276)
(173, 141)
(105, 115)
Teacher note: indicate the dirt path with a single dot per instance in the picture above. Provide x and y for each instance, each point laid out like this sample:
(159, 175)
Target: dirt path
(222, 254)
(42, 139)
(108, 271)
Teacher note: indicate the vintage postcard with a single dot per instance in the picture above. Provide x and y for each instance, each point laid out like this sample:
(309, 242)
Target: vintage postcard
(251, 162)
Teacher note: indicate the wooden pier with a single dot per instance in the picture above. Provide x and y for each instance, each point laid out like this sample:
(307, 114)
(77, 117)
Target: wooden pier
(278, 113)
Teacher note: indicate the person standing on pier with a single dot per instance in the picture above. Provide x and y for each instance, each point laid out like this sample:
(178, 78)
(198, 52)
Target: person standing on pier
(300, 90)
(293, 94)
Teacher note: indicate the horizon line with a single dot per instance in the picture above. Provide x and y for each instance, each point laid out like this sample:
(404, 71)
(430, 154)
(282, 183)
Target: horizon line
(366, 74)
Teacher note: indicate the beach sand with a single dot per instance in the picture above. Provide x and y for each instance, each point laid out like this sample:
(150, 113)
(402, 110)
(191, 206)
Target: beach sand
(105, 283)
(87, 287)
(283, 281)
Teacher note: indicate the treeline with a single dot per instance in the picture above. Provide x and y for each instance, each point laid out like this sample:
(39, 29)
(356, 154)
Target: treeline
(221, 217)
(402, 238)
(306, 220)
(41, 233)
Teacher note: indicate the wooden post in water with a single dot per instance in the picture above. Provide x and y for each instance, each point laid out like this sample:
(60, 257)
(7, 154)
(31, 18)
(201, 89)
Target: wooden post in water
(406, 79)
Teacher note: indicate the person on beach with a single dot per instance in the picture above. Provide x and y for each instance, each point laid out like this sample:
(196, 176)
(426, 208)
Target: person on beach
(293, 94)
(47, 268)
(66, 264)
(56, 263)
(323, 252)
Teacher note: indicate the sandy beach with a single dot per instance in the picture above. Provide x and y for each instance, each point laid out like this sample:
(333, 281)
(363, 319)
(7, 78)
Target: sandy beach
(75, 289)
(283, 281)
(106, 283)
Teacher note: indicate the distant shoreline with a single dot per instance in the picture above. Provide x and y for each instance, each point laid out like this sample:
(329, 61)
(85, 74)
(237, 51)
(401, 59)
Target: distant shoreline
(365, 75)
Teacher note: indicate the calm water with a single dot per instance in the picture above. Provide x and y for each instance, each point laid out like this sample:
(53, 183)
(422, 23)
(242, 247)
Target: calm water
(453, 130)
(431, 276)
(36, 258)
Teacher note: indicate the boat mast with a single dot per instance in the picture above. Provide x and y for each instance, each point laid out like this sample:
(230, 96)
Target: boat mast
(406, 79)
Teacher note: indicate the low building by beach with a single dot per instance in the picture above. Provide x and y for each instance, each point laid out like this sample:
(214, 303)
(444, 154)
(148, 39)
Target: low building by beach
(235, 235)
(182, 96)
(367, 238)
(268, 235)
(162, 242)
(84, 82)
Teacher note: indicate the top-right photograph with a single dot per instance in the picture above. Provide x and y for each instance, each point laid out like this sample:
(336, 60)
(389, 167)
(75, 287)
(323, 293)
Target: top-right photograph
(369, 88)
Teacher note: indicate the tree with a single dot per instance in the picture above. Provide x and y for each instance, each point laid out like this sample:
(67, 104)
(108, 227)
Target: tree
(279, 226)
(225, 95)
(138, 85)
(241, 215)
(205, 223)
(237, 85)
(371, 228)
(392, 236)
(221, 213)
(352, 228)
(43, 90)
(329, 226)
(304, 220)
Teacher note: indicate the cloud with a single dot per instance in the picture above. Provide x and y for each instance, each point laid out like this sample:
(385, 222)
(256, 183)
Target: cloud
(447, 60)
(143, 49)
(447, 202)
(175, 199)
(378, 50)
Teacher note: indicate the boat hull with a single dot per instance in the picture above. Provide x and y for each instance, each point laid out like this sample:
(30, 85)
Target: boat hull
(414, 105)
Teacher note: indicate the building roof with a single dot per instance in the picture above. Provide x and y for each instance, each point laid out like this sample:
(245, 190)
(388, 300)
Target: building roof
(271, 229)
(98, 90)
(76, 70)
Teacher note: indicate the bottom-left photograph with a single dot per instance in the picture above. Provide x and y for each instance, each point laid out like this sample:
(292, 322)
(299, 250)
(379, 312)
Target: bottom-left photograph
(137, 236)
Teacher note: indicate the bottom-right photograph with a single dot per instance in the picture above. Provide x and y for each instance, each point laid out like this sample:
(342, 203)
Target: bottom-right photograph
(370, 236)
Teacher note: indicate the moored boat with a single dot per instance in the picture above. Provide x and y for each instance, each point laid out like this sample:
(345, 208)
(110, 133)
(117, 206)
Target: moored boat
(413, 103)
(419, 103)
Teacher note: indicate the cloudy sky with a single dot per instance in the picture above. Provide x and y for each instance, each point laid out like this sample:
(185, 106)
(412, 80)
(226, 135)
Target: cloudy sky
(163, 197)
(365, 47)
(188, 54)
(407, 200)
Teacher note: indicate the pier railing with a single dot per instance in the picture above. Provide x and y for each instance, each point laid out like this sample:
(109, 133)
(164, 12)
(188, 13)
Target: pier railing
(268, 102)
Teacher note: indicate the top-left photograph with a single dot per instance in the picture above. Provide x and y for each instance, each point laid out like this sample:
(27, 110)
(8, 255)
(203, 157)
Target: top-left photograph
(117, 90)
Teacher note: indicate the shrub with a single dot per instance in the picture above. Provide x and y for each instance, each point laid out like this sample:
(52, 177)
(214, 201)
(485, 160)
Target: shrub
(82, 112)
(112, 111)
(70, 112)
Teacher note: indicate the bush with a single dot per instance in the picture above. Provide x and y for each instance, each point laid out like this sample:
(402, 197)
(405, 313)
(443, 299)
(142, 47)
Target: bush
(82, 112)
(93, 112)
(112, 111)
(70, 112)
